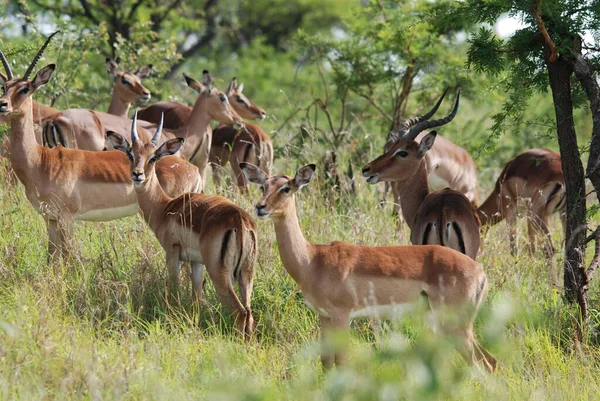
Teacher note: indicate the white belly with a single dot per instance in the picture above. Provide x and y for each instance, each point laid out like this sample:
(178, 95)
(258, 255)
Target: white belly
(319, 311)
(191, 255)
(109, 214)
(390, 311)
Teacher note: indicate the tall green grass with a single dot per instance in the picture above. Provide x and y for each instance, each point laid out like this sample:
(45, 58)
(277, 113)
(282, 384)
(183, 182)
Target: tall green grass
(100, 326)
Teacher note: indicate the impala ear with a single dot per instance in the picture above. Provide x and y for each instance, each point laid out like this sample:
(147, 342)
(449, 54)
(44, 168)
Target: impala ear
(231, 87)
(240, 88)
(168, 148)
(43, 76)
(427, 143)
(304, 175)
(118, 141)
(254, 174)
(207, 80)
(144, 71)
(192, 83)
(112, 67)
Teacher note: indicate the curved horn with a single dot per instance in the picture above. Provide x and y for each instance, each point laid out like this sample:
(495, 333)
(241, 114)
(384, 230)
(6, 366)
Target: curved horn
(412, 121)
(134, 135)
(38, 55)
(423, 125)
(158, 133)
(9, 73)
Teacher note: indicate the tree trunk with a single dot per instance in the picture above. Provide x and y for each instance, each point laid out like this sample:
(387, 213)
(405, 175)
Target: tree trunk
(560, 72)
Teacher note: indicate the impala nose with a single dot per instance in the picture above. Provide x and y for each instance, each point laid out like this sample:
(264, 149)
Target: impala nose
(137, 177)
(3, 107)
(261, 212)
(365, 170)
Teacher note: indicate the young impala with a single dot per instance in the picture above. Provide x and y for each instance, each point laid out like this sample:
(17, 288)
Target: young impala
(86, 128)
(341, 281)
(67, 184)
(532, 181)
(229, 144)
(444, 217)
(197, 228)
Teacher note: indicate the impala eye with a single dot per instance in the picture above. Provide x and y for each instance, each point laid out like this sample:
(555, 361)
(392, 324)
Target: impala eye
(401, 153)
(24, 90)
(285, 190)
(240, 100)
(223, 98)
(125, 81)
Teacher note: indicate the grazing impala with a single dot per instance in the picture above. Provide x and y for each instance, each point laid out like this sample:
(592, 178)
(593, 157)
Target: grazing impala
(533, 181)
(444, 217)
(341, 281)
(87, 128)
(197, 228)
(67, 184)
(229, 144)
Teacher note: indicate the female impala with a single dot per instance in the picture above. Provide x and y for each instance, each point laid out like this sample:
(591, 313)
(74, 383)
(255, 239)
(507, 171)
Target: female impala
(67, 184)
(229, 144)
(127, 89)
(443, 217)
(533, 181)
(197, 228)
(89, 132)
(341, 281)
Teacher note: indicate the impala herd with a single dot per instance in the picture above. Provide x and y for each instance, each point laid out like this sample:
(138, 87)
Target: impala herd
(81, 164)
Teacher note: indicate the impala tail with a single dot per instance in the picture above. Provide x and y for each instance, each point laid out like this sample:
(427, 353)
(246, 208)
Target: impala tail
(238, 253)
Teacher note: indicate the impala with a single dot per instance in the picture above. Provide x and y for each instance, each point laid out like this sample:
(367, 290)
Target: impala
(68, 184)
(229, 144)
(197, 228)
(127, 89)
(532, 181)
(444, 217)
(87, 128)
(448, 165)
(341, 281)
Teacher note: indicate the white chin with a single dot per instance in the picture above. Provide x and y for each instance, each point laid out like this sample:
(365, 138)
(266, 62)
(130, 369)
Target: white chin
(263, 216)
(373, 179)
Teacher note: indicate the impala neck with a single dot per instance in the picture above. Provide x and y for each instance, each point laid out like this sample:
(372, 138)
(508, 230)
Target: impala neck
(413, 192)
(117, 106)
(41, 111)
(194, 128)
(490, 212)
(24, 154)
(152, 200)
(294, 250)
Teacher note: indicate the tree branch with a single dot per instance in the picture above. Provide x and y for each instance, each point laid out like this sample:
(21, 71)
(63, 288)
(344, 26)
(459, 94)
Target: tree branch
(209, 35)
(536, 14)
(587, 78)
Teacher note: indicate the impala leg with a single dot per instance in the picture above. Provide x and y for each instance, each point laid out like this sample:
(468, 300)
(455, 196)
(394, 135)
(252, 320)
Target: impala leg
(245, 282)
(341, 323)
(531, 233)
(511, 220)
(240, 178)
(327, 348)
(472, 351)
(197, 281)
(174, 268)
(66, 229)
(221, 279)
(53, 239)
